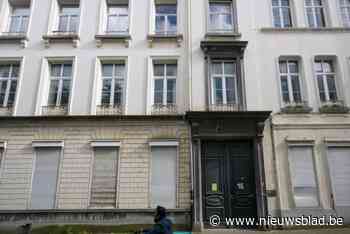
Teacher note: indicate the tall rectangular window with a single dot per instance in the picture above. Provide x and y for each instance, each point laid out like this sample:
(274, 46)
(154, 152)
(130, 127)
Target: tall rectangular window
(104, 178)
(163, 181)
(60, 84)
(69, 18)
(220, 16)
(345, 12)
(45, 178)
(315, 12)
(113, 84)
(19, 19)
(224, 82)
(326, 80)
(303, 176)
(166, 18)
(117, 18)
(8, 83)
(282, 17)
(164, 92)
(290, 81)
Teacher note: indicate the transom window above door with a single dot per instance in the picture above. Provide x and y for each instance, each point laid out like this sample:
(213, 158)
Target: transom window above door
(221, 18)
(224, 83)
(281, 10)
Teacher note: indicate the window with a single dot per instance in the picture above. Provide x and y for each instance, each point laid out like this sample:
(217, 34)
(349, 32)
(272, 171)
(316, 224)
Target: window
(104, 178)
(113, 84)
(224, 83)
(68, 18)
(45, 178)
(117, 18)
(164, 83)
(290, 81)
(326, 80)
(163, 181)
(220, 16)
(302, 174)
(60, 82)
(315, 13)
(166, 18)
(345, 12)
(281, 13)
(19, 20)
(8, 83)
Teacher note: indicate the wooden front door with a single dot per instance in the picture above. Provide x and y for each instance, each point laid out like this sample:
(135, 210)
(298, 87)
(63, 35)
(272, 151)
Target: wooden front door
(228, 180)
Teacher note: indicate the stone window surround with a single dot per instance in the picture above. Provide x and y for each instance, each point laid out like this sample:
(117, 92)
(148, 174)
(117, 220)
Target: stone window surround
(96, 95)
(44, 83)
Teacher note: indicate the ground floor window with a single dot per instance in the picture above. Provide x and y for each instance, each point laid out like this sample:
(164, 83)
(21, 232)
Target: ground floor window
(45, 176)
(163, 180)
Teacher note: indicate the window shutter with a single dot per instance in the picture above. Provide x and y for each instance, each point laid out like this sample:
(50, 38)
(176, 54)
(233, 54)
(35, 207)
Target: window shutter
(303, 176)
(163, 182)
(104, 180)
(45, 178)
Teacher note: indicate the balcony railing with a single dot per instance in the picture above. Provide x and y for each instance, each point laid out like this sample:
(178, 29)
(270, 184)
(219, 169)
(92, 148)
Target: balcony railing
(54, 110)
(336, 107)
(159, 109)
(6, 111)
(224, 107)
(110, 110)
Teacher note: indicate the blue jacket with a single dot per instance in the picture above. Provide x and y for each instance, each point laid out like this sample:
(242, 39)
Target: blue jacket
(164, 226)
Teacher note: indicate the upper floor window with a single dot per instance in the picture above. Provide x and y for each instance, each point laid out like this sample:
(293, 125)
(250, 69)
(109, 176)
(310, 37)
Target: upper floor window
(224, 83)
(113, 83)
(19, 19)
(8, 83)
(345, 12)
(220, 16)
(164, 83)
(60, 83)
(117, 18)
(68, 18)
(290, 81)
(326, 80)
(166, 18)
(315, 12)
(281, 13)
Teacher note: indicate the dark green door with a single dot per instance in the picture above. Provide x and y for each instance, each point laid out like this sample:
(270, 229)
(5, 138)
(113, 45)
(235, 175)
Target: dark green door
(228, 180)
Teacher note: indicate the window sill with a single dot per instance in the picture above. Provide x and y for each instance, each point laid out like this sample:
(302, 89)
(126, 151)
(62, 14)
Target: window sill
(225, 107)
(117, 38)
(170, 109)
(54, 110)
(334, 108)
(20, 38)
(61, 37)
(297, 108)
(109, 110)
(222, 35)
(306, 29)
(178, 38)
(6, 111)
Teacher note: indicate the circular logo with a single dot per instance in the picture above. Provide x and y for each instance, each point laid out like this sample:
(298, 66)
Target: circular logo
(214, 220)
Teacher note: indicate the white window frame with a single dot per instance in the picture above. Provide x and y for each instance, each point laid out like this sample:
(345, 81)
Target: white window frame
(108, 15)
(166, 16)
(165, 78)
(306, 143)
(324, 79)
(223, 80)
(69, 16)
(21, 17)
(289, 78)
(314, 16)
(234, 26)
(9, 80)
(281, 18)
(60, 80)
(166, 143)
(345, 7)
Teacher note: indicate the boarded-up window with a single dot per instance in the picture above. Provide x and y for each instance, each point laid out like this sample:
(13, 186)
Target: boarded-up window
(163, 189)
(303, 178)
(104, 180)
(45, 178)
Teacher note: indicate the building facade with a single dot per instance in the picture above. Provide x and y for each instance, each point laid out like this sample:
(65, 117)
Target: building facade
(229, 108)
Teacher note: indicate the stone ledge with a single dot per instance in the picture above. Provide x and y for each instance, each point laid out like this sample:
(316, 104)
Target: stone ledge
(306, 29)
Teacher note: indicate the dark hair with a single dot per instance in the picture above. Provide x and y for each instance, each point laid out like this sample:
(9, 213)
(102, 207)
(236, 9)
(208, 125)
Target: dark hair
(160, 213)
